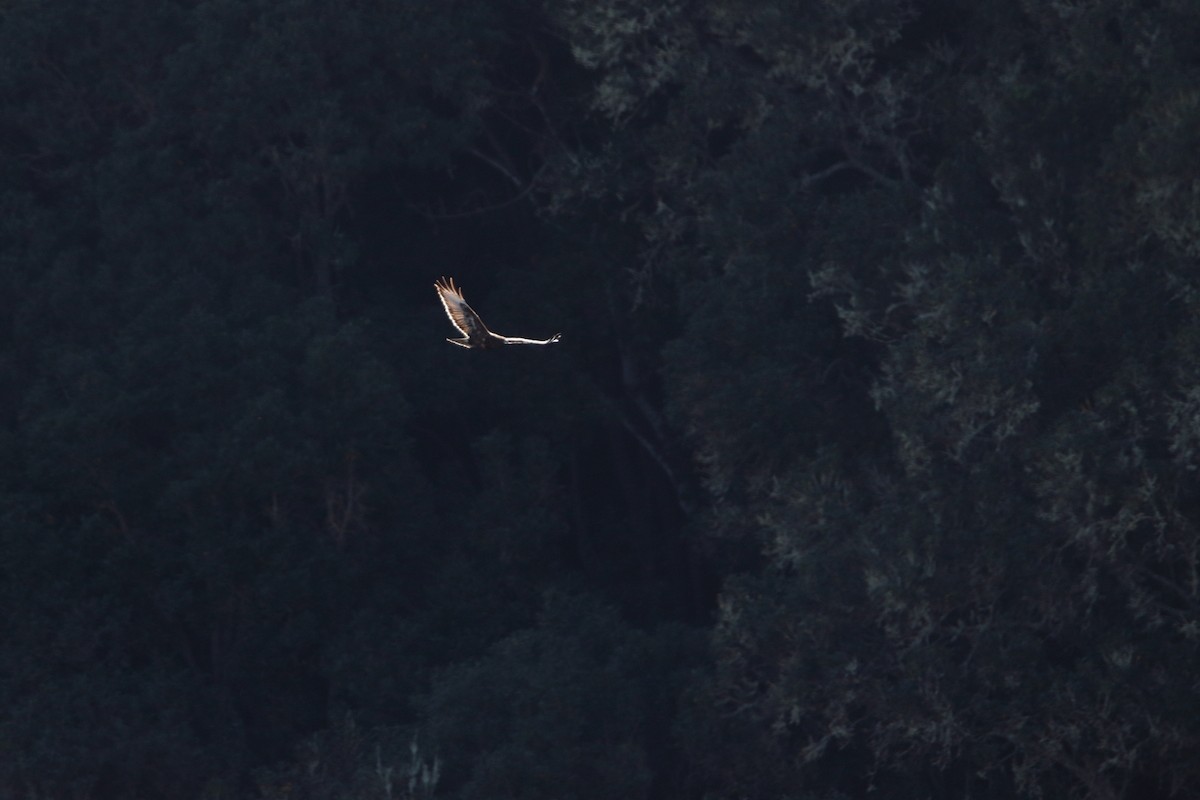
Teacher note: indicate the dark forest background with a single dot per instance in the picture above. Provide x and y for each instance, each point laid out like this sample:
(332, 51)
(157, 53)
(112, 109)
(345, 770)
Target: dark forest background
(868, 464)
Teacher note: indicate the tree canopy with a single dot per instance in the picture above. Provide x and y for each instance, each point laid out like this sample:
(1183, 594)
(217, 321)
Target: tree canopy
(867, 463)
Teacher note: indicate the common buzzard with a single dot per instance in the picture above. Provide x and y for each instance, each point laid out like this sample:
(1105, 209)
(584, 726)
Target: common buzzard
(475, 334)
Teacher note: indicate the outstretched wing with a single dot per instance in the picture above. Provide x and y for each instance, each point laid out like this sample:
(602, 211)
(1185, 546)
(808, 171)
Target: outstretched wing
(461, 315)
(522, 340)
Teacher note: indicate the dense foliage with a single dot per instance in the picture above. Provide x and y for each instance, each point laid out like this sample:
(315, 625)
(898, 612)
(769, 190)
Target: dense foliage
(868, 463)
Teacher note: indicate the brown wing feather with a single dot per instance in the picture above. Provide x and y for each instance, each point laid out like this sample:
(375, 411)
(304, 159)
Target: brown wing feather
(461, 315)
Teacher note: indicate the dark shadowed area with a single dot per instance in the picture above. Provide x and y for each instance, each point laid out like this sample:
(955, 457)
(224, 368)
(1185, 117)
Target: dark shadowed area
(868, 464)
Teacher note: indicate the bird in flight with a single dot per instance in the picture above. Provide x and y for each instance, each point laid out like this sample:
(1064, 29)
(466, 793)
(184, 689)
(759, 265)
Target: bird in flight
(475, 334)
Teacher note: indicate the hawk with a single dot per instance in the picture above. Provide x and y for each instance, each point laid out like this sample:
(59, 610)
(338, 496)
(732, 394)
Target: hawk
(475, 334)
